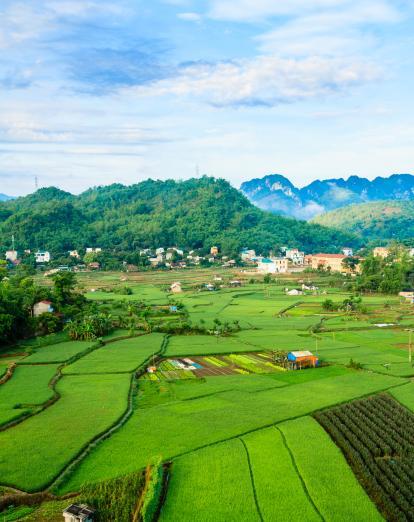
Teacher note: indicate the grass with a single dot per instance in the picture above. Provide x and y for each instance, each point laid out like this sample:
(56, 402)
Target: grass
(119, 356)
(48, 511)
(211, 485)
(88, 406)
(182, 346)
(279, 490)
(326, 474)
(405, 395)
(57, 352)
(190, 424)
(27, 388)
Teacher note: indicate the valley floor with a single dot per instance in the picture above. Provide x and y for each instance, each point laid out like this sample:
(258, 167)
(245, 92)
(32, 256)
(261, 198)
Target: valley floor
(243, 439)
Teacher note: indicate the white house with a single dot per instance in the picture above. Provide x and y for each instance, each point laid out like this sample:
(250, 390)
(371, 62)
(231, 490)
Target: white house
(79, 513)
(296, 256)
(159, 251)
(42, 257)
(74, 253)
(42, 307)
(273, 265)
(90, 250)
(348, 252)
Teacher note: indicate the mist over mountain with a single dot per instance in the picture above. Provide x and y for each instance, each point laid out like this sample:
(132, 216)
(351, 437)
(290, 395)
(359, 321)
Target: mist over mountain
(5, 197)
(277, 194)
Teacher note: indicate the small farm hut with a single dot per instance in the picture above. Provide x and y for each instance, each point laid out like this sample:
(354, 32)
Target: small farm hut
(294, 291)
(79, 513)
(302, 359)
(42, 307)
(176, 288)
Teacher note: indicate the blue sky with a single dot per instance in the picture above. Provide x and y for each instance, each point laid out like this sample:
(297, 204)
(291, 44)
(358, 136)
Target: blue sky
(101, 91)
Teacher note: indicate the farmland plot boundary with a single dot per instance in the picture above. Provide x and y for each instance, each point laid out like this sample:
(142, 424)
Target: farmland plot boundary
(252, 479)
(91, 445)
(40, 408)
(295, 466)
(55, 379)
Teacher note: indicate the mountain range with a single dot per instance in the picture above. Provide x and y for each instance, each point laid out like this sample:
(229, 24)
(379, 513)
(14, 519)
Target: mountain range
(195, 213)
(5, 197)
(277, 194)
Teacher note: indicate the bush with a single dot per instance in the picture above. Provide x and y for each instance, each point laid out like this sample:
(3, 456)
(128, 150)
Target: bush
(154, 484)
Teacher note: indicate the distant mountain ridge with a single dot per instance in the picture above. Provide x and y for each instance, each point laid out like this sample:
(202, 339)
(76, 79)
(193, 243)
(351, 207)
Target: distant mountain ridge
(277, 194)
(5, 197)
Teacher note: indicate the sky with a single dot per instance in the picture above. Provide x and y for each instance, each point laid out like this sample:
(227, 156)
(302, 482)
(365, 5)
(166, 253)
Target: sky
(94, 92)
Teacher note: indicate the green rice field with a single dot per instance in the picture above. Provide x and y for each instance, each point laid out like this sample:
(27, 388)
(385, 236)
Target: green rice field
(27, 389)
(201, 392)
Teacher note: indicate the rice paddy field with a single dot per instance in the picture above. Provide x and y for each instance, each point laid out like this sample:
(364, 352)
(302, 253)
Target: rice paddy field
(237, 430)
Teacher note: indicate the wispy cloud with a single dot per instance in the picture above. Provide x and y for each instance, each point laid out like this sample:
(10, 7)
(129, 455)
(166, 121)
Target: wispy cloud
(265, 80)
(190, 17)
(256, 10)
(89, 43)
(349, 29)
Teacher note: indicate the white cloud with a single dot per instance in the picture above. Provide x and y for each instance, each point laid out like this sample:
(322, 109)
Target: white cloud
(254, 10)
(332, 32)
(189, 17)
(265, 80)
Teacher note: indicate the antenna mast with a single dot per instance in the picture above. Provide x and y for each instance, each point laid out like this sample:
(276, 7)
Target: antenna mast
(36, 183)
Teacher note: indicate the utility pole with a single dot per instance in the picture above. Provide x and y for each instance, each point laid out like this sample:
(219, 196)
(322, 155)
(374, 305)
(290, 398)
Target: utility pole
(410, 335)
(12, 241)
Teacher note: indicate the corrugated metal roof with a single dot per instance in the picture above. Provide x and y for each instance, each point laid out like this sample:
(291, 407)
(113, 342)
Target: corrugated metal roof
(302, 354)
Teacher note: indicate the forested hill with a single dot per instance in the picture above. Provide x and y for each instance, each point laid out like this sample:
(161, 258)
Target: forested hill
(196, 213)
(374, 221)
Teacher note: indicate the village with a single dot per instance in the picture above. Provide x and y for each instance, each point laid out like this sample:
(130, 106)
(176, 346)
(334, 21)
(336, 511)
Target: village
(285, 261)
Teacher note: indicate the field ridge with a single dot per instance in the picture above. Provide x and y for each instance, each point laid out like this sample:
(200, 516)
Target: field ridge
(295, 466)
(259, 512)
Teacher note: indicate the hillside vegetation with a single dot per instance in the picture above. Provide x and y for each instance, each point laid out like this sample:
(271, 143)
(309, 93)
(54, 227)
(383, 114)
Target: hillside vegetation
(195, 213)
(382, 220)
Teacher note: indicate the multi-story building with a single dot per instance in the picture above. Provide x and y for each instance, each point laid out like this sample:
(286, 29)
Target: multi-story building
(381, 252)
(273, 265)
(333, 262)
(42, 256)
(297, 257)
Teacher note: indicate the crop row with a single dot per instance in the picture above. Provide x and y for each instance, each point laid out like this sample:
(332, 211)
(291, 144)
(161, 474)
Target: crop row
(375, 434)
